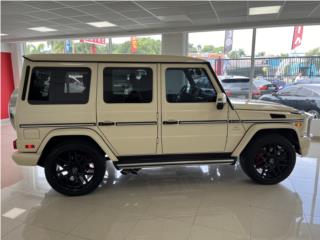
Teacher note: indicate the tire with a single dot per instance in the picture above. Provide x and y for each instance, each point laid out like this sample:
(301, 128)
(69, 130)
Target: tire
(75, 169)
(269, 159)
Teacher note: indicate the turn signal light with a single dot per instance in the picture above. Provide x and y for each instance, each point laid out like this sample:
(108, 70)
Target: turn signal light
(29, 146)
(298, 124)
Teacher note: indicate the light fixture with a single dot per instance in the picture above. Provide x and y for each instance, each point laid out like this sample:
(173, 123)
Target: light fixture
(174, 18)
(43, 29)
(3, 34)
(101, 24)
(264, 10)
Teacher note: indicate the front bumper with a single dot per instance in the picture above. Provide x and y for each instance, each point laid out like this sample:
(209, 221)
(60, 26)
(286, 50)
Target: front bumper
(304, 145)
(26, 159)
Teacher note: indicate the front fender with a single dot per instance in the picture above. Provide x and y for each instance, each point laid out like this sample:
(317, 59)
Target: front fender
(255, 128)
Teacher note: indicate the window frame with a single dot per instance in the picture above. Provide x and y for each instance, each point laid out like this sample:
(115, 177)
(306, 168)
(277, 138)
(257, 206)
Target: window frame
(189, 67)
(73, 68)
(128, 67)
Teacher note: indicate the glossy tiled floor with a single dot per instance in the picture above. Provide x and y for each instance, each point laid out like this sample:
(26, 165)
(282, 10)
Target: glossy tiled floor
(191, 202)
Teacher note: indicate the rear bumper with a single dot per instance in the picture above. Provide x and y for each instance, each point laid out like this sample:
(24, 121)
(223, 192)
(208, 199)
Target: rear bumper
(304, 145)
(25, 159)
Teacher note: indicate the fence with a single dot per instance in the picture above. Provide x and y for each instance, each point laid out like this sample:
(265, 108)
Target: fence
(282, 68)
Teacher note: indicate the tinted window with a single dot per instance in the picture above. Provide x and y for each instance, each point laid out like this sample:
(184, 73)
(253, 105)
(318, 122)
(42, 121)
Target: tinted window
(242, 83)
(189, 85)
(127, 85)
(289, 91)
(59, 85)
(303, 92)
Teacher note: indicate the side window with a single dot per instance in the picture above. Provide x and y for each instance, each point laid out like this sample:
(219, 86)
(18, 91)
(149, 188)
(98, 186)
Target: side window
(127, 85)
(188, 85)
(289, 91)
(303, 92)
(50, 85)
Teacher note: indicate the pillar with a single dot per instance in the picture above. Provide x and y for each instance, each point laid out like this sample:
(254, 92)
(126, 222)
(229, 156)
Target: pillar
(175, 43)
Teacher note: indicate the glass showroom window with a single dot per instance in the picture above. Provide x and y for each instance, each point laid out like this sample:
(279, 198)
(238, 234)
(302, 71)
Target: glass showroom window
(229, 53)
(287, 56)
(150, 44)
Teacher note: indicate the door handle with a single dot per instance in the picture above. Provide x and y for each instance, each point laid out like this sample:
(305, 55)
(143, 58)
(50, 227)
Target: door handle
(106, 123)
(170, 122)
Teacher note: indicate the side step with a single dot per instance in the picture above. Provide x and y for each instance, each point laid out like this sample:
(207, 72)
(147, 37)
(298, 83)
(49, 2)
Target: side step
(134, 162)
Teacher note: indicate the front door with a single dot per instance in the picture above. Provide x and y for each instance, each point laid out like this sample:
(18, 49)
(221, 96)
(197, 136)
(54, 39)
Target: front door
(127, 107)
(191, 123)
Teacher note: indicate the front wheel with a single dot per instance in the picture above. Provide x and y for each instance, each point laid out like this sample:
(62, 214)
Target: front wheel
(75, 169)
(269, 159)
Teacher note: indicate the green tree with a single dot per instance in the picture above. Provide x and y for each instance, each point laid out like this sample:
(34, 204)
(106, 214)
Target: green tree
(191, 48)
(236, 54)
(313, 52)
(211, 49)
(284, 55)
(33, 49)
(144, 46)
(57, 46)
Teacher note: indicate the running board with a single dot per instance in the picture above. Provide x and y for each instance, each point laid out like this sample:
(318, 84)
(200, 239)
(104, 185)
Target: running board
(171, 163)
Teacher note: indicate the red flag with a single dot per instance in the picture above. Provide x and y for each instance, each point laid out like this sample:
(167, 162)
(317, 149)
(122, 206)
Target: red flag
(97, 41)
(134, 44)
(297, 37)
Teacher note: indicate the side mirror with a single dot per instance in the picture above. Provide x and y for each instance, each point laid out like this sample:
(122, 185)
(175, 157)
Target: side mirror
(221, 100)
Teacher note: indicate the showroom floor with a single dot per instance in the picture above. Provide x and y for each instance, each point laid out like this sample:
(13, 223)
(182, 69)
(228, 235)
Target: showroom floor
(191, 202)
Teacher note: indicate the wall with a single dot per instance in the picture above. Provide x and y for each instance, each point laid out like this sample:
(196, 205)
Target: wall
(7, 82)
(175, 44)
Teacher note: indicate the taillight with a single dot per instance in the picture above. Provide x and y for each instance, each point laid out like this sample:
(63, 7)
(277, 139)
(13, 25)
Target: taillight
(29, 146)
(263, 87)
(14, 143)
(228, 92)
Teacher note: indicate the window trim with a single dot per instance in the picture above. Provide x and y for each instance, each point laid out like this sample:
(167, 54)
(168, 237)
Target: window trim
(179, 68)
(127, 67)
(25, 83)
(58, 67)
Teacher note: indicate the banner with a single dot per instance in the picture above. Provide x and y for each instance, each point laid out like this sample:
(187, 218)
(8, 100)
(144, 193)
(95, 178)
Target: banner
(297, 37)
(228, 41)
(68, 46)
(97, 41)
(134, 44)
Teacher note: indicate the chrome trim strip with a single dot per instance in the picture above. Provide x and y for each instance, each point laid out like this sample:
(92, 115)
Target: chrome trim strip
(144, 164)
(204, 122)
(136, 123)
(56, 125)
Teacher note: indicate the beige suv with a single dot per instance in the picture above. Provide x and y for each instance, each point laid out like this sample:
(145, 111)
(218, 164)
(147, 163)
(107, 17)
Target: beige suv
(75, 112)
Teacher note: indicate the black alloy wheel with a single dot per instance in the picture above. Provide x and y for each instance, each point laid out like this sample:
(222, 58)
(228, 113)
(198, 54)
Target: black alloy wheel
(269, 159)
(75, 168)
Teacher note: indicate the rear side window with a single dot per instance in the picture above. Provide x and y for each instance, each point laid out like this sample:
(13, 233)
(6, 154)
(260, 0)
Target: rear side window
(59, 85)
(127, 85)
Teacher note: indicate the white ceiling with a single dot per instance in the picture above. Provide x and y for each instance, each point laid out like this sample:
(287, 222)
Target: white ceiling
(134, 17)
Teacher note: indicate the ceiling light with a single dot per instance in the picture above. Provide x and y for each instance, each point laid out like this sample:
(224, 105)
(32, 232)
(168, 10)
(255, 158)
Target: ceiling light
(174, 18)
(43, 29)
(264, 10)
(101, 24)
(3, 34)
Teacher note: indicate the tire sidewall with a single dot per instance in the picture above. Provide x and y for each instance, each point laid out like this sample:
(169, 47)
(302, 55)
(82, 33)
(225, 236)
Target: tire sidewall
(257, 145)
(99, 168)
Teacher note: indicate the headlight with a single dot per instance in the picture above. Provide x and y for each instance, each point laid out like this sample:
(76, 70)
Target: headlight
(12, 106)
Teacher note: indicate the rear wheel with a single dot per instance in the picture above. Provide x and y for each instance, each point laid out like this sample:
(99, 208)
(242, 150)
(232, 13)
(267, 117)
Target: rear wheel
(75, 169)
(269, 159)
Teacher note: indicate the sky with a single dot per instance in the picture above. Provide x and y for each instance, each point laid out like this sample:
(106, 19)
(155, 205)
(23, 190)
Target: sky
(270, 40)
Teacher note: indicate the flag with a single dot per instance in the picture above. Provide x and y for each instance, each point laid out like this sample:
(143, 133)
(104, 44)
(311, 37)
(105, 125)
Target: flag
(97, 41)
(228, 41)
(297, 37)
(134, 44)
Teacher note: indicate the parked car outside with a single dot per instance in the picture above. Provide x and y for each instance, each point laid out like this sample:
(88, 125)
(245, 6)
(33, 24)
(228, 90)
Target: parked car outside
(312, 80)
(265, 86)
(279, 83)
(304, 97)
(238, 87)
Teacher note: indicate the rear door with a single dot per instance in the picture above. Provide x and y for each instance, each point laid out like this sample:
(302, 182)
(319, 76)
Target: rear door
(127, 107)
(191, 122)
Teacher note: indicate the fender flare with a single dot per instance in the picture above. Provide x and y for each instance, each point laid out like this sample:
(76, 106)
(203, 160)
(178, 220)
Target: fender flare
(256, 128)
(88, 132)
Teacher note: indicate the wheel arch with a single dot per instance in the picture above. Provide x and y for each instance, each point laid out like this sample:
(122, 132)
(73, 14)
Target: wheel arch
(88, 135)
(256, 131)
